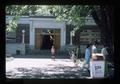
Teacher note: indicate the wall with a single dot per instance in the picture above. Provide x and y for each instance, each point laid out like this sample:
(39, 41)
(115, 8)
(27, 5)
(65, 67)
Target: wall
(19, 33)
(38, 22)
(83, 47)
(47, 24)
(12, 47)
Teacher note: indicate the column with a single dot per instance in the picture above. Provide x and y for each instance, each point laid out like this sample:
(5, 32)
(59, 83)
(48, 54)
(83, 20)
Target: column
(71, 38)
(23, 36)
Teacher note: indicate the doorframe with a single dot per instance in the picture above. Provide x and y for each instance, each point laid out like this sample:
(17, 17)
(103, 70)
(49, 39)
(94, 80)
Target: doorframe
(49, 34)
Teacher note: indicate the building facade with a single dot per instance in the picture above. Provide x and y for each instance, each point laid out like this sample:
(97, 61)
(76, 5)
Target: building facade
(39, 30)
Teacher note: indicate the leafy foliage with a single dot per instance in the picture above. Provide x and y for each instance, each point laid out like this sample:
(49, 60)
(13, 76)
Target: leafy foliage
(16, 11)
(71, 14)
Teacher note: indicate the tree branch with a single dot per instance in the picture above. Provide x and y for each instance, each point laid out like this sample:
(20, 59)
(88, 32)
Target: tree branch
(96, 18)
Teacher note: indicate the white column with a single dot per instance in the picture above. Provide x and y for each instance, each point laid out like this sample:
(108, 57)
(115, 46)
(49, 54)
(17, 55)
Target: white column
(31, 34)
(71, 38)
(23, 36)
(63, 34)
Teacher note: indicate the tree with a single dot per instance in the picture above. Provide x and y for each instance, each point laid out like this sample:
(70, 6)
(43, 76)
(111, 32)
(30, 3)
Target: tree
(71, 14)
(16, 11)
(103, 16)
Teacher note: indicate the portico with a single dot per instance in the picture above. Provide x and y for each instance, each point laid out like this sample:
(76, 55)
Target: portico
(39, 28)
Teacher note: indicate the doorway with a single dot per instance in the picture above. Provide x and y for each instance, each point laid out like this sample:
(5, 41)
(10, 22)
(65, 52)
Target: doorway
(45, 38)
(47, 42)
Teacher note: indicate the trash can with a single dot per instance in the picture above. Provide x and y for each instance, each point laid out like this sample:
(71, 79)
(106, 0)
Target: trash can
(17, 52)
(97, 66)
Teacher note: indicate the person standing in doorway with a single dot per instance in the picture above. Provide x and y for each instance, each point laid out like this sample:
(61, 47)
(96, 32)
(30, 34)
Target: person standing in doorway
(53, 52)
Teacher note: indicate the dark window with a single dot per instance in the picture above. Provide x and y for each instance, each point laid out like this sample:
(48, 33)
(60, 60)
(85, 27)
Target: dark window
(11, 36)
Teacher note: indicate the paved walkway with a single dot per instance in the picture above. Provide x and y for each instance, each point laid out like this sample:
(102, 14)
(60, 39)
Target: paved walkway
(41, 56)
(44, 69)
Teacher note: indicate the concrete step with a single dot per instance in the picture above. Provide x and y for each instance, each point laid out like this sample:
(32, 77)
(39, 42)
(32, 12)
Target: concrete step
(46, 52)
(37, 52)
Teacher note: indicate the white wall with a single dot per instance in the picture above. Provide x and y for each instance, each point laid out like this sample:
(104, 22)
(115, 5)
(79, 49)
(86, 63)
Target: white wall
(63, 35)
(42, 23)
(50, 24)
(46, 24)
(12, 47)
(32, 34)
(22, 20)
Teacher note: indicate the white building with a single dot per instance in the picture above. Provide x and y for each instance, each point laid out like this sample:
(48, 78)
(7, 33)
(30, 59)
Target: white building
(38, 30)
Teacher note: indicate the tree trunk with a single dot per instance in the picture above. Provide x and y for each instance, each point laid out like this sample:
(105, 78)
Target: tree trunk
(106, 26)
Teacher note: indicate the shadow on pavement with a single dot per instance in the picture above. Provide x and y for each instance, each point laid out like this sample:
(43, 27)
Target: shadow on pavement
(57, 72)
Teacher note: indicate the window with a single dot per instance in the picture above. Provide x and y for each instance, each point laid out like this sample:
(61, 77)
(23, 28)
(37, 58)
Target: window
(89, 35)
(19, 33)
(10, 36)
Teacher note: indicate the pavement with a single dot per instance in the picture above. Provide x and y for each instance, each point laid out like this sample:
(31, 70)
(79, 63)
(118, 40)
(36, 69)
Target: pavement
(41, 56)
(44, 68)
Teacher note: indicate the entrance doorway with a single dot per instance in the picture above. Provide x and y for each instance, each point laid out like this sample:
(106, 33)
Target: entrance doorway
(47, 42)
(45, 38)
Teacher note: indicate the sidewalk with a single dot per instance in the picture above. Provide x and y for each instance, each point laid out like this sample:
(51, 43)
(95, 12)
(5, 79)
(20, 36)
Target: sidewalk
(43, 69)
(42, 56)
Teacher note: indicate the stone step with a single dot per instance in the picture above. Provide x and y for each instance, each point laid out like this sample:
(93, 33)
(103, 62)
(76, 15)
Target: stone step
(46, 52)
